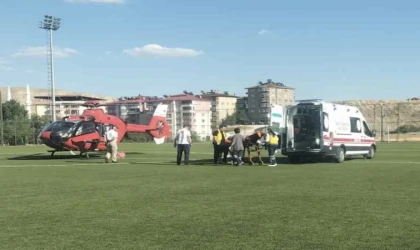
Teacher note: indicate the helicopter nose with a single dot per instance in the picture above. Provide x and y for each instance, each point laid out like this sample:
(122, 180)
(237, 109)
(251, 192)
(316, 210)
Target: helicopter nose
(44, 135)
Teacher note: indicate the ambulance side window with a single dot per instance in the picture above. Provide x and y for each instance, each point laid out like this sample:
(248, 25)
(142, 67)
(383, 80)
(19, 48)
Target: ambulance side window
(355, 125)
(367, 130)
(325, 122)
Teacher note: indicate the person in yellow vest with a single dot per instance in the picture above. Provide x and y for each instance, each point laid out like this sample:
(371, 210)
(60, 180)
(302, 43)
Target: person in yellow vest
(272, 141)
(220, 145)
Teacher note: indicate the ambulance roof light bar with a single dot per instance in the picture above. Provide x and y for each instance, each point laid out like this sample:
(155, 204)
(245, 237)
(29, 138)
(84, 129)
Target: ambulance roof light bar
(310, 100)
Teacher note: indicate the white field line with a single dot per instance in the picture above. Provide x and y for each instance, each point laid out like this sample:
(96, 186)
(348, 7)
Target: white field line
(356, 161)
(161, 162)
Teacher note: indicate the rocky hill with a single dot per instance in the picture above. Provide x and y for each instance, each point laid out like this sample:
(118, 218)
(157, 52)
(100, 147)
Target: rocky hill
(396, 113)
(402, 118)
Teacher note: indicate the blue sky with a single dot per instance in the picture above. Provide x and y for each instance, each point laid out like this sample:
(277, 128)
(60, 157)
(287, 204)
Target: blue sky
(335, 50)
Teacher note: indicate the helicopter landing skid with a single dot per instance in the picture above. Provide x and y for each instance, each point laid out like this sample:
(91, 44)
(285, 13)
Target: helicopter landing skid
(52, 153)
(86, 153)
(71, 152)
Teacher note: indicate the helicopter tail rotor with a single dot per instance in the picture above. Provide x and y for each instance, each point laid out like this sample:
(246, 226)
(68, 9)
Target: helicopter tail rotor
(159, 128)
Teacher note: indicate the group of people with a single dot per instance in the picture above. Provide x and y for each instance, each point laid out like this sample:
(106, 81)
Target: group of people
(222, 145)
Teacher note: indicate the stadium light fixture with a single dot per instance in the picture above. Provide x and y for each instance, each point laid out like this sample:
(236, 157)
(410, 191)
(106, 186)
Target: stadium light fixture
(51, 24)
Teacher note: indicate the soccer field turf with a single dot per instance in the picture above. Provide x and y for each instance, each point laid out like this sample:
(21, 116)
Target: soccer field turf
(148, 202)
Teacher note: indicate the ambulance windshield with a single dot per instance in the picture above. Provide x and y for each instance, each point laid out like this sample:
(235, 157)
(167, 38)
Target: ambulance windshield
(307, 126)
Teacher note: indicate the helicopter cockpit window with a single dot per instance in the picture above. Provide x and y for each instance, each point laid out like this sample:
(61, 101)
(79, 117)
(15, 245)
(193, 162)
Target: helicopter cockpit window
(62, 126)
(58, 124)
(86, 127)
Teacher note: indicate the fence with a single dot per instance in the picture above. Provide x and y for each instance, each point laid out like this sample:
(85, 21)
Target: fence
(401, 119)
(20, 132)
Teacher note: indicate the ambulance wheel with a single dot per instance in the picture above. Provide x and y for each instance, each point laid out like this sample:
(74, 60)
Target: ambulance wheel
(341, 155)
(371, 154)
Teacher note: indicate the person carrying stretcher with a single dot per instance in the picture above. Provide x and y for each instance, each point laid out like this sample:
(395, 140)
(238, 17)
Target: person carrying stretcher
(237, 147)
(272, 141)
(220, 145)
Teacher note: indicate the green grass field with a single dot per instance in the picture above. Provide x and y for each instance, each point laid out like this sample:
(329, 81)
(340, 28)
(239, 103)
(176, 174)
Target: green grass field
(148, 202)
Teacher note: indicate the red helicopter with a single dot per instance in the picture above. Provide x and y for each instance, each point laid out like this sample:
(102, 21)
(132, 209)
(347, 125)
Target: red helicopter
(86, 132)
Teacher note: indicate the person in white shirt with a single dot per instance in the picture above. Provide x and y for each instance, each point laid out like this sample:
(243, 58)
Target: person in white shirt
(183, 144)
(111, 138)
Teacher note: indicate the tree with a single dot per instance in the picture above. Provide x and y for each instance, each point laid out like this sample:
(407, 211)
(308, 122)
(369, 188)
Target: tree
(16, 124)
(230, 119)
(194, 136)
(13, 109)
(37, 124)
(239, 117)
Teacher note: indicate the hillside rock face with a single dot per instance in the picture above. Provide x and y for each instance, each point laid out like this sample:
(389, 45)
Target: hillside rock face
(396, 113)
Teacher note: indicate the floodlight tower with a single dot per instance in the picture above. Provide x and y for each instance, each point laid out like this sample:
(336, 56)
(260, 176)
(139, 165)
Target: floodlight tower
(51, 24)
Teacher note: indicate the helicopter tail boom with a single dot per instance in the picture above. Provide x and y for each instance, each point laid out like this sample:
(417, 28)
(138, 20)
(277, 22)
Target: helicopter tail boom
(158, 128)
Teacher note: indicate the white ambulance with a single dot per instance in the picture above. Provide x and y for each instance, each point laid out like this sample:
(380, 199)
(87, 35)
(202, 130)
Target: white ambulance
(318, 129)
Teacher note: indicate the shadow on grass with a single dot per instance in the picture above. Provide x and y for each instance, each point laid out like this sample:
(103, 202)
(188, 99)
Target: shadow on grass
(41, 156)
(132, 153)
(210, 162)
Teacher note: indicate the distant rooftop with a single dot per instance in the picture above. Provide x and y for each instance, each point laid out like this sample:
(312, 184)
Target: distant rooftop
(69, 98)
(135, 99)
(217, 93)
(166, 98)
(270, 84)
(180, 97)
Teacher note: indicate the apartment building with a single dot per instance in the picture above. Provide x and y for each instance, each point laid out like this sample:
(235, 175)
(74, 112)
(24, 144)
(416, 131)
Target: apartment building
(242, 104)
(65, 105)
(125, 107)
(182, 109)
(262, 96)
(222, 105)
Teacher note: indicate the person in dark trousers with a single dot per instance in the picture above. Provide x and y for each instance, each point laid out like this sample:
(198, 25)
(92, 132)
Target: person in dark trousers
(219, 145)
(237, 147)
(183, 144)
